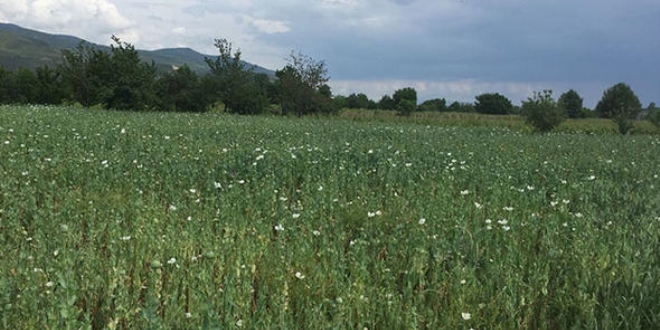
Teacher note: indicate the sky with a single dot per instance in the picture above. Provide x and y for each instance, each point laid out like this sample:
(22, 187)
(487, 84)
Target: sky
(452, 49)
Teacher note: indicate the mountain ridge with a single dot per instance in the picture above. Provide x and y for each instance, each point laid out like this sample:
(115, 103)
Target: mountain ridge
(27, 48)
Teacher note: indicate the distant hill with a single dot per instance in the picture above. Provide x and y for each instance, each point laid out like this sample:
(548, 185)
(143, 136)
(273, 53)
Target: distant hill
(20, 47)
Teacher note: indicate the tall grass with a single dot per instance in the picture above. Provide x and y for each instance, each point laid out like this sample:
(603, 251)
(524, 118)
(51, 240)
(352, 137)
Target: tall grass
(148, 220)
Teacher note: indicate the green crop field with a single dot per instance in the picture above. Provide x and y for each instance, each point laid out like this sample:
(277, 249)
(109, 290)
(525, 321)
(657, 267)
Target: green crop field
(150, 220)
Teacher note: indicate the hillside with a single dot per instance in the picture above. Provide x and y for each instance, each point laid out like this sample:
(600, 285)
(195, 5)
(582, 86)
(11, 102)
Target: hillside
(20, 47)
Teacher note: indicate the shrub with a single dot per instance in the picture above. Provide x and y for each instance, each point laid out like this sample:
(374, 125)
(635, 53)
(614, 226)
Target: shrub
(543, 112)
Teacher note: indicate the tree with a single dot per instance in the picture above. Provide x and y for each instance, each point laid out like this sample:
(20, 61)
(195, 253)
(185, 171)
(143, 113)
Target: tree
(654, 114)
(493, 103)
(386, 103)
(182, 90)
(620, 104)
(132, 82)
(461, 107)
(542, 112)
(50, 90)
(235, 84)
(405, 100)
(85, 71)
(433, 105)
(303, 86)
(572, 102)
(358, 101)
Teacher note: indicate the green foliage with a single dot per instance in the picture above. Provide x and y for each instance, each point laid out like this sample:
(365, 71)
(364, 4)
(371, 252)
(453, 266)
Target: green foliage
(433, 105)
(406, 107)
(461, 107)
(405, 100)
(386, 103)
(653, 114)
(303, 88)
(233, 83)
(182, 90)
(359, 101)
(572, 102)
(543, 112)
(183, 221)
(131, 82)
(493, 103)
(620, 104)
(85, 72)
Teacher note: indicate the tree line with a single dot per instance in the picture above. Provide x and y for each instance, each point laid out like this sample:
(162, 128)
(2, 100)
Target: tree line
(120, 80)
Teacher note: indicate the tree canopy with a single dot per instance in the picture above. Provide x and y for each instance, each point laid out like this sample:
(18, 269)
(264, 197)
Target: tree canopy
(572, 102)
(493, 103)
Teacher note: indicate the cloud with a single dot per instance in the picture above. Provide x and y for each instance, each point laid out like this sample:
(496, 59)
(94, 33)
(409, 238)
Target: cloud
(84, 18)
(270, 27)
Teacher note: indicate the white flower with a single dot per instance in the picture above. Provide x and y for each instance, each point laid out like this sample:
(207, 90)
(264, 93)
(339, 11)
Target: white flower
(172, 208)
(296, 215)
(217, 185)
(466, 316)
(50, 284)
(507, 208)
(566, 201)
(172, 261)
(506, 228)
(320, 188)
(316, 233)
(591, 178)
(502, 222)
(188, 315)
(279, 227)
(239, 323)
(478, 206)
(422, 221)
(260, 157)
(125, 238)
(371, 214)
(299, 275)
(465, 192)
(488, 221)
(193, 191)
(553, 203)
(379, 213)
(123, 131)
(530, 187)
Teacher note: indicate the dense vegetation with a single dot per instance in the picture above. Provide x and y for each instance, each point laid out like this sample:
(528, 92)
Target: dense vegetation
(145, 220)
(119, 79)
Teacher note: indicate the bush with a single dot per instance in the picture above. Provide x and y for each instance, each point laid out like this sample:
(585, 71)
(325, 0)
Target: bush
(543, 112)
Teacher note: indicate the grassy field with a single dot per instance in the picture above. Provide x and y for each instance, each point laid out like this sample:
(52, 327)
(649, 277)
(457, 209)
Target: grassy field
(514, 122)
(148, 220)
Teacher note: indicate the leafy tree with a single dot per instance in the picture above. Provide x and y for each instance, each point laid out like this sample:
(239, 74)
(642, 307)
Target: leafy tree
(132, 82)
(358, 101)
(493, 103)
(386, 103)
(433, 105)
(235, 84)
(620, 104)
(50, 90)
(85, 72)
(572, 102)
(654, 114)
(303, 86)
(461, 107)
(340, 101)
(543, 112)
(182, 90)
(405, 100)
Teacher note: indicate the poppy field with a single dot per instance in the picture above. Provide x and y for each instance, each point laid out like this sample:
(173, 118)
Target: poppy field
(124, 220)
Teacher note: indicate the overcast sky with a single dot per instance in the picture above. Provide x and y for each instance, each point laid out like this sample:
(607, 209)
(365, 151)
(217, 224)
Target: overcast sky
(454, 49)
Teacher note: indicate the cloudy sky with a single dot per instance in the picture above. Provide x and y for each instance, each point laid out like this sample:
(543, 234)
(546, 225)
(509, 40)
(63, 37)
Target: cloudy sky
(454, 49)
